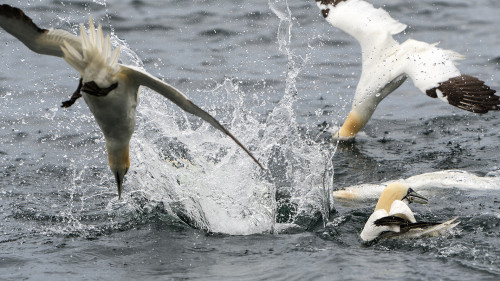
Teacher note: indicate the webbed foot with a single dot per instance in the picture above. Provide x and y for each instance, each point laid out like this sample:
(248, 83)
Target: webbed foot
(76, 95)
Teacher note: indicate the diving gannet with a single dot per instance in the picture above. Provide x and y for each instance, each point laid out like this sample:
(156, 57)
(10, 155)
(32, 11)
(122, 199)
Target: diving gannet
(393, 218)
(109, 88)
(387, 64)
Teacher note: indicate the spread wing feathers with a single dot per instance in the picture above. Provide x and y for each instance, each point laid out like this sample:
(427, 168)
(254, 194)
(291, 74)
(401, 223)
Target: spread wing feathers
(426, 64)
(360, 20)
(96, 62)
(42, 41)
(145, 79)
(433, 71)
(468, 93)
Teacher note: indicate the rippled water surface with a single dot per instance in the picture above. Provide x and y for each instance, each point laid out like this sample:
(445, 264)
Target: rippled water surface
(195, 206)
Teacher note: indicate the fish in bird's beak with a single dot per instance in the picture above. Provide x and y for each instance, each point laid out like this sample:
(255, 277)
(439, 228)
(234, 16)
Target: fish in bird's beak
(413, 196)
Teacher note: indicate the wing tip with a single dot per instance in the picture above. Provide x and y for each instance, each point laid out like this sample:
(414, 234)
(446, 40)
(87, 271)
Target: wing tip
(468, 93)
(17, 14)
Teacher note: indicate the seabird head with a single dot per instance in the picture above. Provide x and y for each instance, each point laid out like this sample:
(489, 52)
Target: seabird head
(352, 125)
(398, 191)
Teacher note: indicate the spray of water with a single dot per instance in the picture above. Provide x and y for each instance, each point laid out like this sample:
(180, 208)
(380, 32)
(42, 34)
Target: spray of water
(199, 176)
(301, 167)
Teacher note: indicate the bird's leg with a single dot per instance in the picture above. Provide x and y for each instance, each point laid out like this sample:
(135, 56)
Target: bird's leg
(76, 95)
(91, 88)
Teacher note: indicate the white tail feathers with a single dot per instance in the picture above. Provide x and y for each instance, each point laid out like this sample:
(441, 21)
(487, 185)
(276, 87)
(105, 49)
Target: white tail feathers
(97, 62)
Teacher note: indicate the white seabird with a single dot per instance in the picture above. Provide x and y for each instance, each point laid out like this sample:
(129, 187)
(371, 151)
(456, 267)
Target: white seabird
(430, 182)
(109, 88)
(393, 218)
(387, 64)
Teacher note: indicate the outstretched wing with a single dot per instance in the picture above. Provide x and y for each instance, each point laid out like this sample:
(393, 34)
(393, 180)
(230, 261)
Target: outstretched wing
(468, 93)
(145, 79)
(433, 71)
(42, 41)
(370, 26)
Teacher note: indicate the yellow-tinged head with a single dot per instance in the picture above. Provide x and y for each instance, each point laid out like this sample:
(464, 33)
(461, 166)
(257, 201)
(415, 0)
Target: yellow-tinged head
(398, 191)
(119, 162)
(352, 125)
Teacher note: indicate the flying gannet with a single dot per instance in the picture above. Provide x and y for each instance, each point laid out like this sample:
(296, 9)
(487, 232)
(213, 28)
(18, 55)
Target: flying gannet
(109, 88)
(387, 64)
(393, 218)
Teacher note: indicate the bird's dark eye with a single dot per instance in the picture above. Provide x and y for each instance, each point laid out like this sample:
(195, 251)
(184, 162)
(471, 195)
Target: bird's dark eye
(407, 196)
(325, 12)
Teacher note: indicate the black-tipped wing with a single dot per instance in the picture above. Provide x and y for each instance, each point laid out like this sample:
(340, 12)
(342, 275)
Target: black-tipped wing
(42, 41)
(414, 230)
(434, 72)
(467, 93)
(145, 79)
(404, 224)
(391, 220)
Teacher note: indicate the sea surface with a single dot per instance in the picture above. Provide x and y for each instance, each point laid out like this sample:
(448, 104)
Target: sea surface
(195, 207)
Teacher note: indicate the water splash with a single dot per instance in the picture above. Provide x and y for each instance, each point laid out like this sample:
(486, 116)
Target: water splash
(198, 174)
(301, 167)
(200, 177)
(100, 2)
(205, 180)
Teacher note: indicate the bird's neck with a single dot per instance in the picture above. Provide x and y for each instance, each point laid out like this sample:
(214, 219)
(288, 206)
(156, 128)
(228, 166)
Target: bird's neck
(118, 157)
(385, 203)
(354, 122)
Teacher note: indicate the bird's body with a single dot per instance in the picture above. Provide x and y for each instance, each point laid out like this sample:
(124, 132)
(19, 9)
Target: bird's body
(397, 208)
(392, 218)
(387, 64)
(110, 89)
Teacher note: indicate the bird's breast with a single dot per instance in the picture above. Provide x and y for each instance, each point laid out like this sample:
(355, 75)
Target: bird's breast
(115, 112)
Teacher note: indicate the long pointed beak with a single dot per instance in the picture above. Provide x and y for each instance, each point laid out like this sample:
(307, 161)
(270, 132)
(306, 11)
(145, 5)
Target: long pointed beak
(413, 196)
(119, 181)
(119, 163)
(119, 176)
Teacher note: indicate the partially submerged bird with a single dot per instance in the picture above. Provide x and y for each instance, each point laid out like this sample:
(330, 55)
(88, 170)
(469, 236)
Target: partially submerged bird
(109, 88)
(431, 182)
(393, 218)
(387, 64)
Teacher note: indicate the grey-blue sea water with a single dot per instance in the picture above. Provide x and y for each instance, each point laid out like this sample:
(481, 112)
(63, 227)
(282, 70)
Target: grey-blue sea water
(194, 205)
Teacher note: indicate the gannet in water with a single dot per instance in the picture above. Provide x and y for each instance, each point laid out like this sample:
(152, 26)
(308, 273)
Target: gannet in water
(431, 182)
(109, 88)
(387, 64)
(393, 218)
